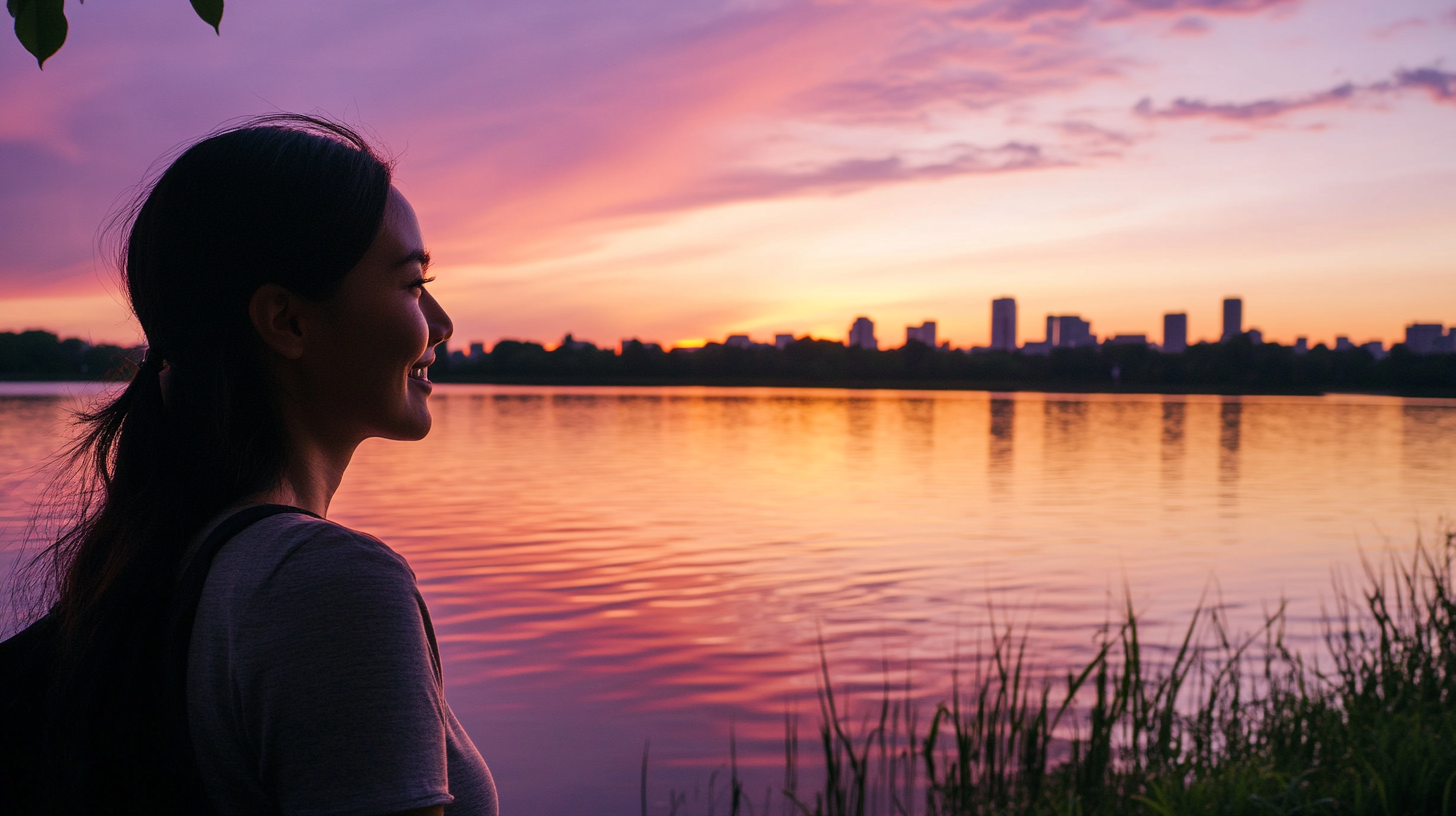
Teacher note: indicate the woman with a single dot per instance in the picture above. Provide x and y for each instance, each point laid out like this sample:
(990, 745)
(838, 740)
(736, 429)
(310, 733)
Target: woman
(280, 280)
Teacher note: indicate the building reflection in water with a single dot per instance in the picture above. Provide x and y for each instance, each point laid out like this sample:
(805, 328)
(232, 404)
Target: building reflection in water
(860, 439)
(1230, 421)
(917, 415)
(1427, 444)
(1003, 430)
(1174, 448)
(1065, 422)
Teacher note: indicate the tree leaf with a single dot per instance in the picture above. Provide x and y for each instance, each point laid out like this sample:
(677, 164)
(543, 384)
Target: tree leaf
(210, 11)
(40, 25)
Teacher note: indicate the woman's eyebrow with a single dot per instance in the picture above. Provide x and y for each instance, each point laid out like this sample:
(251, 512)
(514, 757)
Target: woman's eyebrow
(419, 256)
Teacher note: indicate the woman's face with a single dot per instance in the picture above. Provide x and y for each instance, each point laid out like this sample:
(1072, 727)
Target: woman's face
(369, 372)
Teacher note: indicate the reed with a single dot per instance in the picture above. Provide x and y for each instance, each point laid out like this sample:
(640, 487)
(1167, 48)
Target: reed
(1226, 725)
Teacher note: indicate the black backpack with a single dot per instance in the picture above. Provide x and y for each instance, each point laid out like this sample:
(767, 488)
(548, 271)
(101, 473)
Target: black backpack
(27, 663)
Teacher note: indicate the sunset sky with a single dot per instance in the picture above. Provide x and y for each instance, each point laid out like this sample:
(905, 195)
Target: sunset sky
(685, 169)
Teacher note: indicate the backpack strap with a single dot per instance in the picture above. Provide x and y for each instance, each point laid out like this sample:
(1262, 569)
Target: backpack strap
(188, 592)
(186, 597)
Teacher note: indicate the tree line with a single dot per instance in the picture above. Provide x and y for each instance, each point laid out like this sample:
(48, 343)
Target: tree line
(1239, 366)
(40, 355)
(1236, 366)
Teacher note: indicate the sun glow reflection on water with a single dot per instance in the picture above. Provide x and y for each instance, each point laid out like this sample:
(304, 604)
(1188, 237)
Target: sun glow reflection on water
(609, 565)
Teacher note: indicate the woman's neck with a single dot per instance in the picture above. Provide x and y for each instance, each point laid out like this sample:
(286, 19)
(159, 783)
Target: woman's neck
(312, 474)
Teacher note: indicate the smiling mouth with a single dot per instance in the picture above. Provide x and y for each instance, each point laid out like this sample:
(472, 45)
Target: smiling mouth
(420, 372)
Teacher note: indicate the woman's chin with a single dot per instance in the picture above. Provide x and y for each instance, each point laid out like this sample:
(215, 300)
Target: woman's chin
(418, 427)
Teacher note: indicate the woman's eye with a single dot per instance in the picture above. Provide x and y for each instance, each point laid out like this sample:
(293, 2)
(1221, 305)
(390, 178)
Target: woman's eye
(419, 283)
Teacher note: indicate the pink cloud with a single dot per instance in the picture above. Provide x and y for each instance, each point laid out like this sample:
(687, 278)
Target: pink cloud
(1100, 141)
(528, 129)
(853, 174)
(1189, 26)
(1399, 27)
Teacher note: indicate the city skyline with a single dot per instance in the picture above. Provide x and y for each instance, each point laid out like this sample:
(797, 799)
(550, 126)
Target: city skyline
(1074, 331)
(686, 169)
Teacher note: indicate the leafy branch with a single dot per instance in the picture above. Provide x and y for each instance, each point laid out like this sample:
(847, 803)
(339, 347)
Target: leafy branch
(41, 26)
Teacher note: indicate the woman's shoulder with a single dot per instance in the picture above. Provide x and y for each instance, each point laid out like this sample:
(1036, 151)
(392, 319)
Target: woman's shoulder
(293, 549)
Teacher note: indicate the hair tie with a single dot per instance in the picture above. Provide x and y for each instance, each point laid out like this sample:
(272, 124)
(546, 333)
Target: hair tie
(152, 362)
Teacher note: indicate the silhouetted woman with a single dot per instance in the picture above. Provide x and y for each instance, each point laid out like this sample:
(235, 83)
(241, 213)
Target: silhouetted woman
(280, 280)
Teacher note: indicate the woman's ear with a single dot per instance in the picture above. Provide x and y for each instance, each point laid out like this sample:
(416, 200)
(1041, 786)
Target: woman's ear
(277, 317)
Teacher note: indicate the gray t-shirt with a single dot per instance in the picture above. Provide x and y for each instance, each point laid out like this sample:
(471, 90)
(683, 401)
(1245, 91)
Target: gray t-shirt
(312, 686)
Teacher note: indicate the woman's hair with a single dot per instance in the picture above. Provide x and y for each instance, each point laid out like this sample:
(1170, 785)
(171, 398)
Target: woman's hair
(287, 200)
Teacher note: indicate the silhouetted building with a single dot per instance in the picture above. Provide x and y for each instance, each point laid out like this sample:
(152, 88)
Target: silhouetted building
(1376, 349)
(862, 334)
(634, 343)
(1256, 337)
(477, 350)
(1128, 340)
(924, 333)
(1301, 345)
(1069, 331)
(1003, 324)
(738, 341)
(1429, 338)
(782, 341)
(1342, 343)
(1233, 319)
(1175, 332)
(572, 344)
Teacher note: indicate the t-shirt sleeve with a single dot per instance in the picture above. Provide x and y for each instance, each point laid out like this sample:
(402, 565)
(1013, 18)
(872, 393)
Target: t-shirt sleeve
(342, 682)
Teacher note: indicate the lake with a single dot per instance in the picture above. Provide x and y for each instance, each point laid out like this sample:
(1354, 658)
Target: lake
(607, 566)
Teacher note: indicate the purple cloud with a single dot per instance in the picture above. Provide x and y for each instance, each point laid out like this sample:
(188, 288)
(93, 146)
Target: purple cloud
(1207, 6)
(1441, 85)
(1183, 108)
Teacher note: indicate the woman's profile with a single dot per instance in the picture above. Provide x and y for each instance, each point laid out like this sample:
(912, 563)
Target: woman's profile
(279, 278)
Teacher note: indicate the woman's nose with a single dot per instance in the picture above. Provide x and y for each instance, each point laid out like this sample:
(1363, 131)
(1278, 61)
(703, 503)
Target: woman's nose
(441, 328)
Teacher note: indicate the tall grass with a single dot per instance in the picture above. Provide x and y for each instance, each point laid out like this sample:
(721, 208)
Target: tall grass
(1222, 725)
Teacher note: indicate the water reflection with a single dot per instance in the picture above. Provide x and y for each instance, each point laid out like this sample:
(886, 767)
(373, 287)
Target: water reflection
(611, 565)
(1064, 434)
(917, 417)
(861, 413)
(1428, 441)
(1002, 445)
(1230, 429)
(1173, 446)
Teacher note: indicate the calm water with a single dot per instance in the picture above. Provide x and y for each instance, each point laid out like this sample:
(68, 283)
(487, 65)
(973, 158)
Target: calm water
(607, 566)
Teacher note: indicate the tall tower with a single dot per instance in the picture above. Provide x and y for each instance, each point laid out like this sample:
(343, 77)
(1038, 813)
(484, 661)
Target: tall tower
(1233, 318)
(1175, 332)
(1003, 324)
(862, 334)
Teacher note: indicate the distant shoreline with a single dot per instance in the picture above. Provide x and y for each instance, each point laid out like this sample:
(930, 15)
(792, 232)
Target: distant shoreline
(942, 385)
(1239, 366)
(883, 385)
